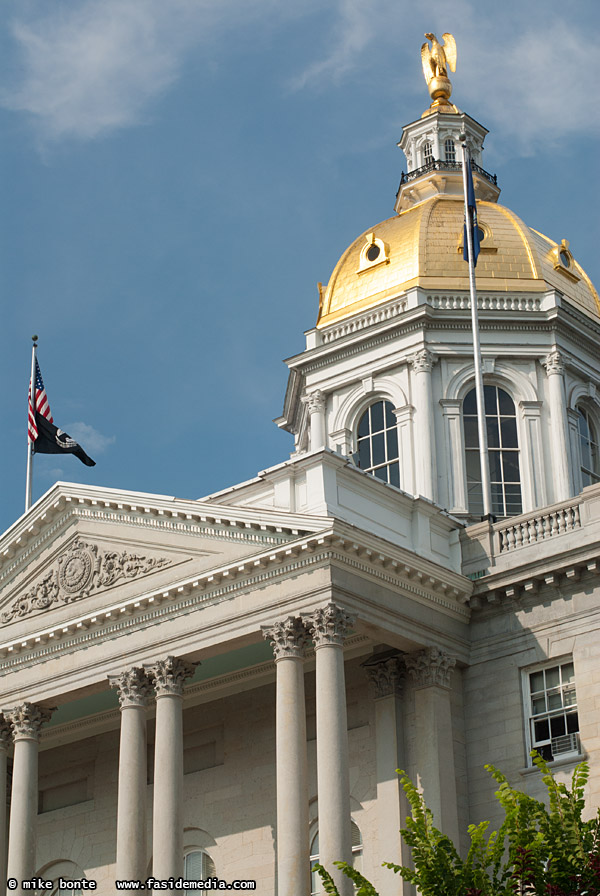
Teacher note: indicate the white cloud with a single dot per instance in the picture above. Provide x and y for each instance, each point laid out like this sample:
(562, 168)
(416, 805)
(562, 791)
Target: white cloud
(92, 441)
(90, 68)
(530, 67)
(352, 33)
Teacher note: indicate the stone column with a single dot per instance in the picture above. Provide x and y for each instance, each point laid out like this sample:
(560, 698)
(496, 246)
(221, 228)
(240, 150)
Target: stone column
(26, 721)
(316, 409)
(454, 473)
(328, 627)
(5, 742)
(169, 676)
(431, 669)
(422, 364)
(134, 691)
(559, 445)
(386, 674)
(288, 639)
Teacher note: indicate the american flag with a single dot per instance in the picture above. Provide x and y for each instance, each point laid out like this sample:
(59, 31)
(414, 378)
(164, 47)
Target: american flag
(41, 404)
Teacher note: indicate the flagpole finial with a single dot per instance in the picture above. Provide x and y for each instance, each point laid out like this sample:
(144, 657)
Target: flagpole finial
(462, 137)
(34, 339)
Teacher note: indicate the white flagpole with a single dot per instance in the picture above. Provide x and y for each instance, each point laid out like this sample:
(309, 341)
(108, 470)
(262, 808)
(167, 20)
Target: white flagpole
(28, 487)
(481, 427)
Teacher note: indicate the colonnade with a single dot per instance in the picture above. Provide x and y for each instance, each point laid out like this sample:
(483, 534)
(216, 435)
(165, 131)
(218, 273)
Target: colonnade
(327, 628)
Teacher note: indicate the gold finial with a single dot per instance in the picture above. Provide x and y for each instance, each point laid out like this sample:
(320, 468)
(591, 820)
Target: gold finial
(436, 60)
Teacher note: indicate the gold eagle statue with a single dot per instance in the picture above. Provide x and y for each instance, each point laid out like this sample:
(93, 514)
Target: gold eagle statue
(436, 60)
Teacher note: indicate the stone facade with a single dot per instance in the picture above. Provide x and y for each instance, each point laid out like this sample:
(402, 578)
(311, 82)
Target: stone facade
(213, 687)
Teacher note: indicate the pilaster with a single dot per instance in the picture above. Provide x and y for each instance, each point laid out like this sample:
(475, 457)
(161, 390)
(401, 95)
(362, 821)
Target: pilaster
(431, 670)
(386, 675)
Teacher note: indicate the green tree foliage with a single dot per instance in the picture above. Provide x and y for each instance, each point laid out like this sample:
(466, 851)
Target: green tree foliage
(541, 849)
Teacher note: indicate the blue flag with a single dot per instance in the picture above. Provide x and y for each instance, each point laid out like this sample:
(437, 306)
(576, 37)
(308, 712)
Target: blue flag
(472, 219)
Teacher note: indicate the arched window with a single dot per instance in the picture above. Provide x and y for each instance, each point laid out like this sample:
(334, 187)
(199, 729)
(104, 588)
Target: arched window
(357, 846)
(198, 865)
(427, 153)
(588, 446)
(450, 150)
(377, 442)
(503, 450)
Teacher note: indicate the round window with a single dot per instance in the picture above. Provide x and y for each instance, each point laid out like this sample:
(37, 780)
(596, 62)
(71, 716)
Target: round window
(373, 252)
(564, 259)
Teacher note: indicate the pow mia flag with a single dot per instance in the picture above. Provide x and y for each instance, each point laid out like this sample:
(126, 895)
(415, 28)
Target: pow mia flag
(52, 440)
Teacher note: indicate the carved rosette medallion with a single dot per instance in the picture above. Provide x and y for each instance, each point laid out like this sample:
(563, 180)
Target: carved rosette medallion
(76, 568)
(328, 625)
(27, 719)
(430, 666)
(169, 676)
(81, 569)
(133, 685)
(288, 637)
(386, 677)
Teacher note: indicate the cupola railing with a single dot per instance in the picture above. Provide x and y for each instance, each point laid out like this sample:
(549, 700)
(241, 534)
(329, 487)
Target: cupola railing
(439, 165)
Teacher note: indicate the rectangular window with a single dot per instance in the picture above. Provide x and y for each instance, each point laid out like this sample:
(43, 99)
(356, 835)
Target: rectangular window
(551, 708)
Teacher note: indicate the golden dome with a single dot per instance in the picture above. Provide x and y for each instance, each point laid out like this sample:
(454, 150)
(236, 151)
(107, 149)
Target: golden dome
(422, 246)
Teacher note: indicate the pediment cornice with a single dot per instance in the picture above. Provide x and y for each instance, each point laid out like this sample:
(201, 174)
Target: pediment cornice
(337, 546)
(67, 504)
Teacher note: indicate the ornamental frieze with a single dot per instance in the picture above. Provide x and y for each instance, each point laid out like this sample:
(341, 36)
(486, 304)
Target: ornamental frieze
(82, 569)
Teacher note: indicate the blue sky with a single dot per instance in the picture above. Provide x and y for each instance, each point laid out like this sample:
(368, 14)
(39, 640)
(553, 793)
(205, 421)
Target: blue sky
(177, 175)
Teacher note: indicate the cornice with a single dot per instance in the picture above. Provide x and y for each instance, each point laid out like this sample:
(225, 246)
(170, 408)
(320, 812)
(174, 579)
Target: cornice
(223, 583)
(219, 522)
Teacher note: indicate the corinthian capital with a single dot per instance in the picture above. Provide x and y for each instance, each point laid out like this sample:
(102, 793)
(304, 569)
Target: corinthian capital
(26, 720)
(423, 360)
(5, 734)
(288, 637)
(133, 686)
(386, 676)
(315, 401)
(169, 675)
(328, 625)
(430, 666)
(554, 362)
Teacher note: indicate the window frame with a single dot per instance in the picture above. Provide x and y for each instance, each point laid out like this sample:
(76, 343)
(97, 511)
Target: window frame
(565, 756)
(583, 410)
(449, 144)
(496, 454)
(211, 871)
(427, 149)
(389, 461)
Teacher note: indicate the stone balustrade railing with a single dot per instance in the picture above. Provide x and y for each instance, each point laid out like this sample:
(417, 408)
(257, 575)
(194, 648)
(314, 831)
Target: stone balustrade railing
(538, 526)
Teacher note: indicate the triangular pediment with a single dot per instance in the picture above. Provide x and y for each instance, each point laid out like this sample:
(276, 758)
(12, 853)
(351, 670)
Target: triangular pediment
(83, 549)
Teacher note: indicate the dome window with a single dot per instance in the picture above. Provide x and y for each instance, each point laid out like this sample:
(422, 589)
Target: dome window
(588, 447)
(377, 443)
(503, 453)
(450, 150)
(374, 252)
(563, 261)
(427, 153)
